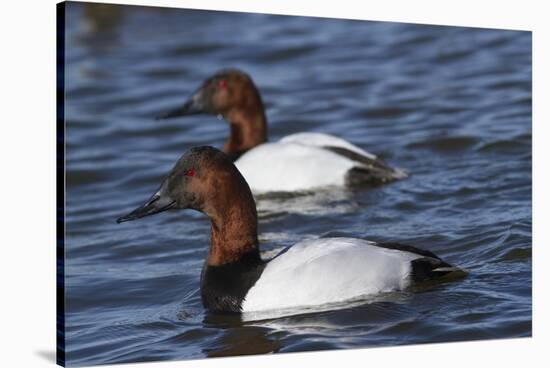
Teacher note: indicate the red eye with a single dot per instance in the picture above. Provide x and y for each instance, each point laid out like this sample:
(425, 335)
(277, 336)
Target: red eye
(189, 172)
(222, 83)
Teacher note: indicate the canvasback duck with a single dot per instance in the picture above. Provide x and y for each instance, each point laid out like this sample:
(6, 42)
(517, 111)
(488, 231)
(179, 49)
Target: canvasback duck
(298, 162)
(310, 273)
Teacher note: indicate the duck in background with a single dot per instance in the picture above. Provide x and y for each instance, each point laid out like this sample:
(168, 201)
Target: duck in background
(310, 273)
(298, 162)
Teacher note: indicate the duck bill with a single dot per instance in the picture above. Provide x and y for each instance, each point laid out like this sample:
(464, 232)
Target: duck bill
(193, 106)
(154, 205)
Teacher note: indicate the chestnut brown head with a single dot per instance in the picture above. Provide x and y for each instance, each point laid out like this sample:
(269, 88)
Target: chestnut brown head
(202, 179)
(227, 91)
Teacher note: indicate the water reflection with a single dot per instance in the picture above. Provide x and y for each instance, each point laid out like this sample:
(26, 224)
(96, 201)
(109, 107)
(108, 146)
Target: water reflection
(263, 332)
(322, 202)
(238, 339)
(272, 317)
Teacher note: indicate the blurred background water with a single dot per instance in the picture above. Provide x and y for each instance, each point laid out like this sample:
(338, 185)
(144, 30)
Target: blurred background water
(451, 105)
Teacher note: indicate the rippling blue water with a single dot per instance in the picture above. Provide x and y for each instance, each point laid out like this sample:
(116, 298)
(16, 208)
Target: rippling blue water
(451, 105)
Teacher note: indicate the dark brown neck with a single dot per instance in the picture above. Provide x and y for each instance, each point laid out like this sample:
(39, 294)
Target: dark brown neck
(234, 225)
(247, 130)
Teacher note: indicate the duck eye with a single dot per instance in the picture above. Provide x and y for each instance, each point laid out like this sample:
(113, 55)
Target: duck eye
(189, 172)
(222, 83)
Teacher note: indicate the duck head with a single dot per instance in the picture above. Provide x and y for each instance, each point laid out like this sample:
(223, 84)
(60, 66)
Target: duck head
(231, 95)
(206, 180)
(195, 182)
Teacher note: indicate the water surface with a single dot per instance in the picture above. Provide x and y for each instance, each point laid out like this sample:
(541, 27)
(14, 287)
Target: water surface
(450, 105)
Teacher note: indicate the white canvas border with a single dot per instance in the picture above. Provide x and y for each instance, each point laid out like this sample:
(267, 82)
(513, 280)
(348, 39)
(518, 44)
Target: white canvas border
(28, 185)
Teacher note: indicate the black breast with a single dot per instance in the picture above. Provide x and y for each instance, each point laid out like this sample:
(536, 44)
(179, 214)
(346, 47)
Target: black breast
(224, 287)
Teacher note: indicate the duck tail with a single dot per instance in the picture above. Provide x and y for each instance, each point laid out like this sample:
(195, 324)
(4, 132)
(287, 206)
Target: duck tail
(361, 175)
(428, 268)
(398, 173)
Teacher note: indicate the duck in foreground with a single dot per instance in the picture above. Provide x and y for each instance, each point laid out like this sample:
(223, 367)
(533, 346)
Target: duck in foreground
(310, 273)
(298, 162)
